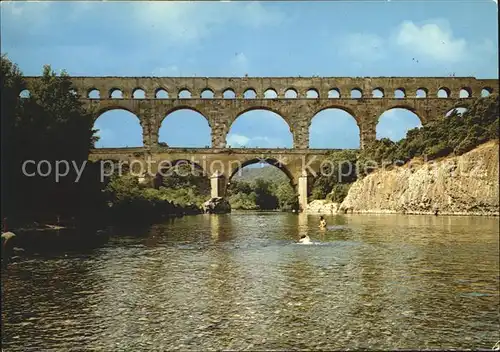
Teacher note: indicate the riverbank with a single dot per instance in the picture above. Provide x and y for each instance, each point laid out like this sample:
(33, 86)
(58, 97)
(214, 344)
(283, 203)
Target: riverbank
(457, 185)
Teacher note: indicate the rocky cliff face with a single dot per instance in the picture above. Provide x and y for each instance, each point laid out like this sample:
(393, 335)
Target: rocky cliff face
(321, 206)
(463, 185)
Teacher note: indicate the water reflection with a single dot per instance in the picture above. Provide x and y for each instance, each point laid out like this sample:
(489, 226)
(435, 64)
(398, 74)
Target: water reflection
(241, 281)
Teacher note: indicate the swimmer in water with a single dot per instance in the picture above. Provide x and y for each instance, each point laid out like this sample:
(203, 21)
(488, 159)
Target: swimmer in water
(304, 239)
(322, 222)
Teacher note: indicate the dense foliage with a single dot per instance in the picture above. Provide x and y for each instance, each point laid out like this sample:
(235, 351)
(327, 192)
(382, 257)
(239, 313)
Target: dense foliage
(452, 135)
(34, 128)
(262, 195)
(455, 134)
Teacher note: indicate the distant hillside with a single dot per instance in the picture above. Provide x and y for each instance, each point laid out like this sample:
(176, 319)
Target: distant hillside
(266, 172)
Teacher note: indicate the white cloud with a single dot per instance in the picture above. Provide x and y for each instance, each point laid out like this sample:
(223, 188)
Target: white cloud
(434, 40)
(363, 46)
(236, 140)
(181, 22)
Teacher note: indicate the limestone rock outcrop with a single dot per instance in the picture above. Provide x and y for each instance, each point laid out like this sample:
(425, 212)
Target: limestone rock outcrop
(322, 206)
(217, 205)
(461, 185)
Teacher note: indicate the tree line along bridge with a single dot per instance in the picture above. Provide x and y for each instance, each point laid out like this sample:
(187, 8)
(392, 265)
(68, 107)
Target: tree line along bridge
(296, 99)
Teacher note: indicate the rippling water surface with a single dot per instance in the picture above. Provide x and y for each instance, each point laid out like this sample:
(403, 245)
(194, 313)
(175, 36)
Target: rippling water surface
(240, 281)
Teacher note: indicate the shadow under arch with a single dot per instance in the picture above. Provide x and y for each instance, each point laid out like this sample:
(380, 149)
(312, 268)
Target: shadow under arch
(113, 132)
(334, 127)
(168, 165)
(395, 122)
(262, 126)
(269, 161)
(185, 126)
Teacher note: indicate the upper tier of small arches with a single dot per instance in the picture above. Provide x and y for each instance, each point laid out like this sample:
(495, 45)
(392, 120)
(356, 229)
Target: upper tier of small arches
(269, 88)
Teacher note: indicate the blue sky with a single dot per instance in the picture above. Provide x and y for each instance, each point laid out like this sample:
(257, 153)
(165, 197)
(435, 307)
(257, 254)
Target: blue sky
(352, 38)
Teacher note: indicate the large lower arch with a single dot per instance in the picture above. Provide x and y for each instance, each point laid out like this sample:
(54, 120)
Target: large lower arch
(118, 128)
(259, 127)
(265, 193)
(334, 128)
(184, 127)
(396, 122)
(270, 161)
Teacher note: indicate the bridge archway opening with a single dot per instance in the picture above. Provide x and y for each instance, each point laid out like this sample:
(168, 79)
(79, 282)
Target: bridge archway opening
(263, 184)
(250, 94)
(399, 93)
(118, 128)
(139, 94)
(259, 128)
(185, 127)
(486, 92)
(270, 94)
(229, 94)
(465, 93)
(356, 93)
(207, 94)
(24, 94)
(334, 93)
(312, 94)
(94, 94)
(334, 128)
(182, 177)
(378, 93)
(459, 111)
(184, 94)
(443, 92)
(116, 94)
(421, 93)
(161, 94)
(395, 123)
(291, 93)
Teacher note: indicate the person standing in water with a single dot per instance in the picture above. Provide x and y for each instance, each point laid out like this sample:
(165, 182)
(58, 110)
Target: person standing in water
(322, 222)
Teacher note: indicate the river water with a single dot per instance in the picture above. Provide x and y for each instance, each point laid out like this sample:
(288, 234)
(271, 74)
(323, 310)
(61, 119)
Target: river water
(240, 281)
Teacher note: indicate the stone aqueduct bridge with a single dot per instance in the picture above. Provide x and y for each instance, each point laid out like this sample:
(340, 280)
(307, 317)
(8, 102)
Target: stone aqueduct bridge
(297, 100)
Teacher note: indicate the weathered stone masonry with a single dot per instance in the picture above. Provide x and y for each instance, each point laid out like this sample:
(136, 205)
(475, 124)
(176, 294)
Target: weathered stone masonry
(296, 100)
(209, 97)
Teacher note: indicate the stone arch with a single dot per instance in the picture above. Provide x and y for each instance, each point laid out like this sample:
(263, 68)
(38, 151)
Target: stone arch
(465, 92)
(312, 93)
(396, 127)
(250, 93)
(270, 93)
(228, 94)
(334, 127)
(93, 93)
(24, 94)
(116, 129)
(421, 93)
(186, 127)
(486, 91)
(139, 93)
(356, 93)
(274, 124)
(378, 92)
(291, 93)
(407, 107)
(115, 93)
(255, 160)
(443, 92)
(184, 93)
(460, 109)
(169, 164)
(207, 93)
(334, 93)
(400, 93)
(161, 93)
